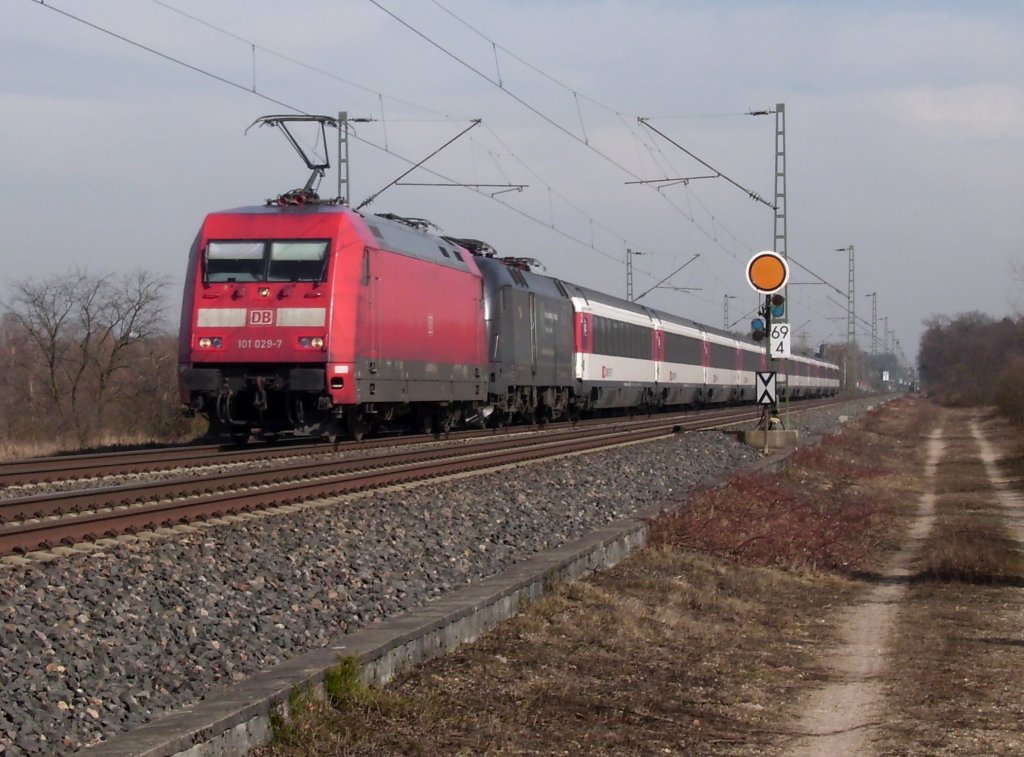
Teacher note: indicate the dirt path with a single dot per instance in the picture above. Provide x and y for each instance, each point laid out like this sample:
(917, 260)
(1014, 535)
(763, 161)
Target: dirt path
(839, 717)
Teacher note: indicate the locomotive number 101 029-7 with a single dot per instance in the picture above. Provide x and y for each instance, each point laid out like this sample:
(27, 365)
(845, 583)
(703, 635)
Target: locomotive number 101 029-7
(260, 344)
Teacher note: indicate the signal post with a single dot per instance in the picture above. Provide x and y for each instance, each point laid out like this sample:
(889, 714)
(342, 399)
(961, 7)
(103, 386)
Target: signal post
(767, 274)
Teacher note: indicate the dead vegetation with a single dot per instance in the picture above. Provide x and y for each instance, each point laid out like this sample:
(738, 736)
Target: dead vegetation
(824, 513)
(707, 642)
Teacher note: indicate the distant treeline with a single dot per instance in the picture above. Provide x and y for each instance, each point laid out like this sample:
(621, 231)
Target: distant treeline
(974, 359)
(87, 360)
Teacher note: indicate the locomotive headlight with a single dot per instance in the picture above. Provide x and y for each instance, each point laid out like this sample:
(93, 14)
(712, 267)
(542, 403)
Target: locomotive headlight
(264, 291)
(205, 342)
(217, 341)
(305, 341)
(317, 342)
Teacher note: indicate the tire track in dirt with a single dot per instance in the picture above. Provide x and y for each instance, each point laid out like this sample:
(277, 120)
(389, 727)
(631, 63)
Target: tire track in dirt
(1011, 500)
(838, 717)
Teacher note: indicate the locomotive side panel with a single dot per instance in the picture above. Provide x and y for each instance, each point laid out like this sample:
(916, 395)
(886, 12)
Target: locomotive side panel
(186, 326)
(555, 329)
(418, 336)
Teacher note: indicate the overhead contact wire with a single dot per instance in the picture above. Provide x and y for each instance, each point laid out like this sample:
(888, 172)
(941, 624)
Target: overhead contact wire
(167, 57)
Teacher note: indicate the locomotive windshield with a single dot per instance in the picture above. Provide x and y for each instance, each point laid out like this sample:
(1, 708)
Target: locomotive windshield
(293, 260)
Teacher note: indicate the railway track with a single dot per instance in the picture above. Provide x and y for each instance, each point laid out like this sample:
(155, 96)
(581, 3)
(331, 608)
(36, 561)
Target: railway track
(40, 470)
(45, 521)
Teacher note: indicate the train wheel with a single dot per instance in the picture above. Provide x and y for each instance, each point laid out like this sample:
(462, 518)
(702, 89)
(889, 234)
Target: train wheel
(357, 426)
(444, 425)
(240, 438)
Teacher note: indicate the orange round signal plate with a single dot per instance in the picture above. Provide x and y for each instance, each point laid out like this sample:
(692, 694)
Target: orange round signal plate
(767, 272)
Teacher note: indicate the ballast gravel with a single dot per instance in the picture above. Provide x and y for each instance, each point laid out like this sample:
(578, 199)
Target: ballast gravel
(96, 644)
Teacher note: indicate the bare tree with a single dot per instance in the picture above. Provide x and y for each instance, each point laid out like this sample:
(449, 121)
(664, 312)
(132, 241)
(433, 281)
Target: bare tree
(44, 311)
(129, 310)
(77, 330)
(1015, 266)
(972, 358)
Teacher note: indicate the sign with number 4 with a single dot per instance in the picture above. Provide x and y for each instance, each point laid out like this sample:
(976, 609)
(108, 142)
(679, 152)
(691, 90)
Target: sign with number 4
(779, 340)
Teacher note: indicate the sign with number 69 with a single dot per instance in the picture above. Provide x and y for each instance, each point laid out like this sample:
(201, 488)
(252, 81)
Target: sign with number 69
(779, 340)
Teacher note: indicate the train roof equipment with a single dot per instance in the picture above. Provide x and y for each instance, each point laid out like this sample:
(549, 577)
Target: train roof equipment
(306, 194)
(476, 246)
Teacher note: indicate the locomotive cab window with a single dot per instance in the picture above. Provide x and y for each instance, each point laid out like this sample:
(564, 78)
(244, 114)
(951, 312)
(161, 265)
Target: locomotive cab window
(247, 261)
(235, 261)
(297, 261)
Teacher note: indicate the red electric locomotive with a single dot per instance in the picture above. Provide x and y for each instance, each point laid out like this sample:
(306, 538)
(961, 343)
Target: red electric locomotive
(316, 320)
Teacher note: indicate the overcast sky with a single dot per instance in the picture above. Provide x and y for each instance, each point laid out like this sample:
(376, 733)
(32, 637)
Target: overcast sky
(904, 138)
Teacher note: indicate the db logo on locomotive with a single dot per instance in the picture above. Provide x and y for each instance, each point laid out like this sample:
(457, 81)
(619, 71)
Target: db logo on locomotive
(261, 317)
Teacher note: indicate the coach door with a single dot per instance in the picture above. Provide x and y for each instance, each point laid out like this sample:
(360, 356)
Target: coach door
(373, 312)
(533, 334)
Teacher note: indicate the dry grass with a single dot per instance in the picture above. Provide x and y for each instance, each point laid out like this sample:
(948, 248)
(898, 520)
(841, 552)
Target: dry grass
(760, 519)
(971, 549)
(20, 450)
(836, 508)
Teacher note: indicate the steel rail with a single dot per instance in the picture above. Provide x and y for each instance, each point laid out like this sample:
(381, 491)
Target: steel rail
(98, 464)
(46, 533)
(51, 504)
(68, 502)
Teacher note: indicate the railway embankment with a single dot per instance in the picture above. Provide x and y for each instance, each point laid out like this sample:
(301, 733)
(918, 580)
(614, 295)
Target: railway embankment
(102, 642)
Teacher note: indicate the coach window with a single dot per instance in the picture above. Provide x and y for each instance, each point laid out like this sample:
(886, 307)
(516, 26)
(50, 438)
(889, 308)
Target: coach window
(234, 261)
(722, 356)
(298, 261)
(644, 343)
